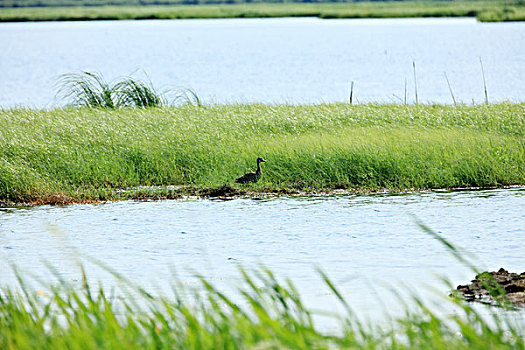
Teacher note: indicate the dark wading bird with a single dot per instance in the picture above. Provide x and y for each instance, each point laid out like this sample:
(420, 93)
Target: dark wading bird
(253, 176)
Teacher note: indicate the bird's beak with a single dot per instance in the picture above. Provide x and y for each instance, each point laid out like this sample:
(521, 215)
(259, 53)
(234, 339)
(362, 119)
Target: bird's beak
(264, 160)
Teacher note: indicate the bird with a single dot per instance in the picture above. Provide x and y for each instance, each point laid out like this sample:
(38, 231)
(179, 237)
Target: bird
(252, 176)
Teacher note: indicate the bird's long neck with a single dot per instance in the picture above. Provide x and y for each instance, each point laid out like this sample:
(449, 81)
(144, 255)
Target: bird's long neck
(258, 171)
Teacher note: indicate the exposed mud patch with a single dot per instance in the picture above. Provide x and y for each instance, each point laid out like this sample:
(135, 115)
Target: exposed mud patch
(496, 288)
(226, 191)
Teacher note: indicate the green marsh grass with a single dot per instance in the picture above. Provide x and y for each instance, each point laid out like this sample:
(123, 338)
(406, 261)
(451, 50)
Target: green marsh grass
(507, 13)
(264, 312)
(86, 153)
(503, 10)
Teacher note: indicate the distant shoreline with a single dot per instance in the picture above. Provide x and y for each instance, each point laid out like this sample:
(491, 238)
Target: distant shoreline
(485, 11)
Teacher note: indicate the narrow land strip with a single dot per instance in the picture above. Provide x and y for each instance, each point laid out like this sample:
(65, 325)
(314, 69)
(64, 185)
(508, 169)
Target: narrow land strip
(88, 154)
(483, 10)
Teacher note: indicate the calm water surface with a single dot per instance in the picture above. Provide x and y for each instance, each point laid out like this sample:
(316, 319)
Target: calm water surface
(296, 60)
(366, 243)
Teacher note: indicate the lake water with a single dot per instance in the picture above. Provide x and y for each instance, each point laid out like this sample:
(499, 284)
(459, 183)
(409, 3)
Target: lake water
(365, 243)
(295, 60)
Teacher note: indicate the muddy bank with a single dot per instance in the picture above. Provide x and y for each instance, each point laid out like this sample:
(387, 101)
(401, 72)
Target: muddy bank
(496, 288)
(224, 192)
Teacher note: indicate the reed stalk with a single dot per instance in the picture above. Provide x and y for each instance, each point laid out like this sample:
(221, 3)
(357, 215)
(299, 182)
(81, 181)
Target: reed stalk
(351, 92)
(405, 91)
(450, 89)
(415, 81)
(484, 81)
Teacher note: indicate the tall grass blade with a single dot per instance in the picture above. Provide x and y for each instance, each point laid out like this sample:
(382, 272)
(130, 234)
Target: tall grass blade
(405, 91)
(415, 80)
(450, 89)
(452, 249)
(487, 280)
(484, 81)
(338, 294)
(351, 92)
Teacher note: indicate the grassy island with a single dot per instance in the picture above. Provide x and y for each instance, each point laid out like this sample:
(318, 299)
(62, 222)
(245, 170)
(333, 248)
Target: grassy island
(89, 154)
(84, 10)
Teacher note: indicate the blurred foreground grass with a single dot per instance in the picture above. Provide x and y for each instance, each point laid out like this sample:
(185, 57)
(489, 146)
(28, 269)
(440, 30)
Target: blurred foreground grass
(86, 153)
(266, 313)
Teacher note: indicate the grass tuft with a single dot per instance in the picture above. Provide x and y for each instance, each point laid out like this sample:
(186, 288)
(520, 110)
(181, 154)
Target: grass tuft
(91, 90)
(87, 89)
(133, 93)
